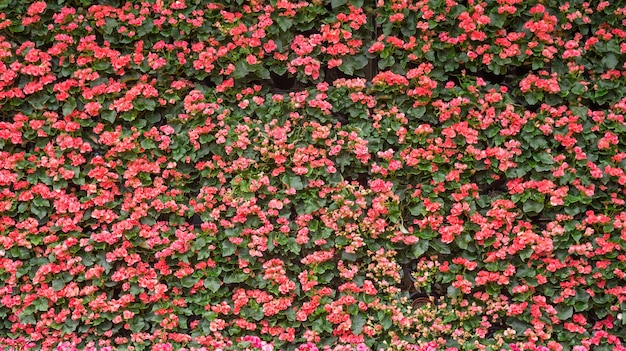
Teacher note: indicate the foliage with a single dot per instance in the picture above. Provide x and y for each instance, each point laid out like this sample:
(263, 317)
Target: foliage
(184, 174)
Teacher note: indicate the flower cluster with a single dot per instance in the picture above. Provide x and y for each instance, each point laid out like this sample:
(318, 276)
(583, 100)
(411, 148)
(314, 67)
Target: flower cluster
(312, 175)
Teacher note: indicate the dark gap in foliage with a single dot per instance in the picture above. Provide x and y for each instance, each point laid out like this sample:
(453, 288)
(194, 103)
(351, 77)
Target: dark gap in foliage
(407, 278)
(341, 117)
(293, 213)
(371, 69)
(206, 82)
(120, 331)
(361, 178)
(595, 106)
(496, 187)
(420, 299)
(307, 32)
(28, 146)
(498, 326)
(332, 74)
(164, 217)
(507, 78)
(195, 220)
(284, 81)
(88, 3)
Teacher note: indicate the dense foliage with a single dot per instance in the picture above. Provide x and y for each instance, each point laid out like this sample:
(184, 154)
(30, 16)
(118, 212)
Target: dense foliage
(344, 174)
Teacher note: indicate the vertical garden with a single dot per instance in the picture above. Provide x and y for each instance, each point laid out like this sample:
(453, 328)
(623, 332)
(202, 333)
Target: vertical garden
(313, 175)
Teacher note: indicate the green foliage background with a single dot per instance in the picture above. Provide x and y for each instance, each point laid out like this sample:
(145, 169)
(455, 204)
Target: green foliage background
(337, 172)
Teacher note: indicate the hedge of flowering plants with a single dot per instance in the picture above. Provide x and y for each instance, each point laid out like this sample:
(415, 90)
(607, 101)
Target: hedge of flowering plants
(313, 175)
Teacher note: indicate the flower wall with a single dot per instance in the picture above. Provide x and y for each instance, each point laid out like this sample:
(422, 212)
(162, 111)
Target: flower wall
(344, 174)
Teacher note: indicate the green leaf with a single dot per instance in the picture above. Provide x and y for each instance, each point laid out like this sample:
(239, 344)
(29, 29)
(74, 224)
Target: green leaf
(564, 312)
(41, 202)
(110, 24)
(284, 23)
(417, 209)
(440, 247)
(70, 325)
(135, 289)
(256, 314)
(532, 206)
(341, 241)
(539, 142)
(241, 69)
(38, 211)
(525, 254)
(137, 325)
(27, 318)
(453, 292)
(153, 118)
(69, 106)
(463, 240)
(516, 173)
(146, 28)
(578, 89)
(357, 3)
(358, 322)
(148, 144)
(41, 304)
(419, 248)
(188, 281)
(17, 28)
(531, 98)
(352, 63)
(143, 104)
(38, 100)
(291, 314)
(580, 111)
(348, 256)
(497, 20)
(212, 284)
(108, 115)
(293, 246)
(386, 62)
(417, 112)
(58, 284)
(337, 3)
(235, 278)
(386, 322)
(228, 248)
(580, 306)
(610, 60)
(296, 183)
(544, 158)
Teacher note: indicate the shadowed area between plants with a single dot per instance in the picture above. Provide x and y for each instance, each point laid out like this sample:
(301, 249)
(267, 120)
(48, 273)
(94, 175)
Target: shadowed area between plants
(316, 175)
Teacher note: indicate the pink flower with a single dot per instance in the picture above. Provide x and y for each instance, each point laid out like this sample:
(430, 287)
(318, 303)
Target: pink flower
(377, 47)
(36, 8)
(396, 17)
(92, 108)
(334, 63)
(251, 59)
